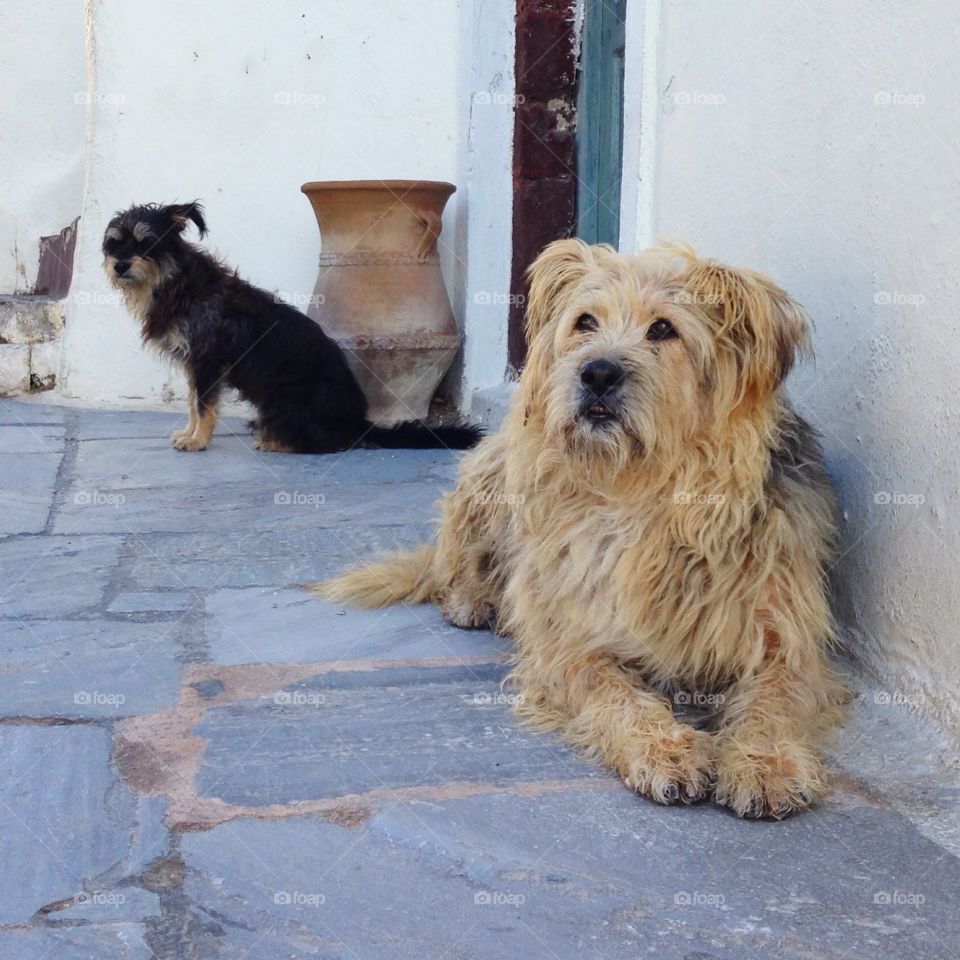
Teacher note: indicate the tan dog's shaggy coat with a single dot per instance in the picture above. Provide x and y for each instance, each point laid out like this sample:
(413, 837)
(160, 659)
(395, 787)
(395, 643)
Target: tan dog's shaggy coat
(653, 521)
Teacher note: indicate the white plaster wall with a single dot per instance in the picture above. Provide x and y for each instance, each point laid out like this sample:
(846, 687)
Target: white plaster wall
(820, 142)
(238, 102)
(484, 238)
(41, 130)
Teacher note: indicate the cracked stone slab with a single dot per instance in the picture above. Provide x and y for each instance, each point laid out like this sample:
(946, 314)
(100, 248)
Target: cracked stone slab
(109, 904)
(87, 669)
(354, 732)
(65, 819)
(27, 483)
(55, 576)
(119, 941)
(588, 874)
(292, 626)
(209, 559)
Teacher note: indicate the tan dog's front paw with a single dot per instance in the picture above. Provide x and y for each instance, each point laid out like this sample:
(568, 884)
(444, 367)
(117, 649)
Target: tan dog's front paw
(181, 434)
(768, 781)
(189, 443)
(674, 765)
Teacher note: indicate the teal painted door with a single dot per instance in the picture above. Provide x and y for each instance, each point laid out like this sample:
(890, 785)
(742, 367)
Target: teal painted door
(600, 121)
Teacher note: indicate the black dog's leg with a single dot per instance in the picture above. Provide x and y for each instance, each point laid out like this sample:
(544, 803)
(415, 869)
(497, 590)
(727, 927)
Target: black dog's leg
(205, 385)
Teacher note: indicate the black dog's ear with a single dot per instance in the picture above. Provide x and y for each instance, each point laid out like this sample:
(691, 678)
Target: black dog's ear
(183, 213)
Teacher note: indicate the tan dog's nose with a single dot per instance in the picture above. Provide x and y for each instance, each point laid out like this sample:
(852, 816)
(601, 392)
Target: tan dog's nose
(601, 375)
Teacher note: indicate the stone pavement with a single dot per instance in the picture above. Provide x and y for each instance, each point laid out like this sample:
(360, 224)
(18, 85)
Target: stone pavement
(197, 760)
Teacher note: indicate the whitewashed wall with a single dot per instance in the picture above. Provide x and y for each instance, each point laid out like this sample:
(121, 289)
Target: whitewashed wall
(820, 142)
(238, 102)
(42, 113)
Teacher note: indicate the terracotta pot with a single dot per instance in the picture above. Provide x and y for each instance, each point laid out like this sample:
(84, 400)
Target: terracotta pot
(379, 292)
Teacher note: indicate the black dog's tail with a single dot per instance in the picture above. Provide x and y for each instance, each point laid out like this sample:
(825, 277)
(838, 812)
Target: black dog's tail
(416, 435)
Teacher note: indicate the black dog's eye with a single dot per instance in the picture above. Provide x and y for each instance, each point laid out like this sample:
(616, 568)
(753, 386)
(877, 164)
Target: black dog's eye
(585, 323)
(661, 330)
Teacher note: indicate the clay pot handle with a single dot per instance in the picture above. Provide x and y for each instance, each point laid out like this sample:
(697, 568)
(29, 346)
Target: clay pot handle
(432, 225)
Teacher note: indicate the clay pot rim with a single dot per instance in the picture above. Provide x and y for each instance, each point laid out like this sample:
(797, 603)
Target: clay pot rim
(399, 185)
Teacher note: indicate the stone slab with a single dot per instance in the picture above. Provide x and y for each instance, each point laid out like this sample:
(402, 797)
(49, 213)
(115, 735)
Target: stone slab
(208, 559)
(343, 733)
(64, 818)
(55, 576)
(27, 484)
(118, 941)
(292, 626)
(581, 873)
(143, 601)
(32, 439)
(86, 669)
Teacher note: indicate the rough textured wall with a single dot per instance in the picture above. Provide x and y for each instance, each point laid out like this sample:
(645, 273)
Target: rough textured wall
(42, 111)
(819, 142)
(238, 103)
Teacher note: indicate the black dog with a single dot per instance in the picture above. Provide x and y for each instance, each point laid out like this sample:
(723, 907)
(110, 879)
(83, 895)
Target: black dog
(226, 332)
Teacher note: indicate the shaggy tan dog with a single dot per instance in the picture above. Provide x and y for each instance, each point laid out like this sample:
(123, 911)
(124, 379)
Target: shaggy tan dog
(652, 521)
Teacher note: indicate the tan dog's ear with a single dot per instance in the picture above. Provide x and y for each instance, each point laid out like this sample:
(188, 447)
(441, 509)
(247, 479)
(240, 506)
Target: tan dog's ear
(559, 265)
(760, 326)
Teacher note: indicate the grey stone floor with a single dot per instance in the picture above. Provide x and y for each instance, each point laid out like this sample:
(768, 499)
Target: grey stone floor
(197, 760)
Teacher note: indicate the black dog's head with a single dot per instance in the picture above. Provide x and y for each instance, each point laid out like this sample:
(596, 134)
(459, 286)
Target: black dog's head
(143, 246)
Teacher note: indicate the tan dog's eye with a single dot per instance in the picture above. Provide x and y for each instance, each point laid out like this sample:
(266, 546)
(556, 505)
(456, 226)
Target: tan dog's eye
(661, 330)
(585, 323)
